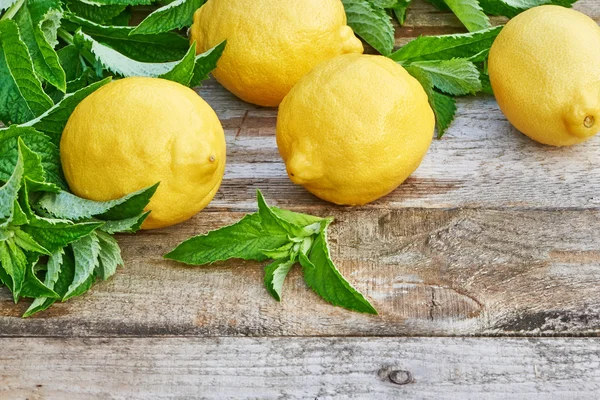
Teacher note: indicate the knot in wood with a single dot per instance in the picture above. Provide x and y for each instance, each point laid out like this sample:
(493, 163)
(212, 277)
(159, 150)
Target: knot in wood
(400, 377)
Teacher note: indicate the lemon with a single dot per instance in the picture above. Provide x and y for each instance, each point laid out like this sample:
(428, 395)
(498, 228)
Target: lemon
(134, 132)
(545, 71)
(271, 44)
(354, 128)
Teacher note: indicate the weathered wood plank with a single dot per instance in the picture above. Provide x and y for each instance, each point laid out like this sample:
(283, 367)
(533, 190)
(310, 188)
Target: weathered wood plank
(428, 272)
(481, 162)
(299, 368)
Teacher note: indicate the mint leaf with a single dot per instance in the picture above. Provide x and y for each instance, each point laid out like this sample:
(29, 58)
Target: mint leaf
(275, 274)
(110, 256)
(273, 223)
(446, 47)
(175, 15)
(21, 95)
(399, 10)
(511, 8)
(119, 2)
(127, 225)
(53, 121)
(37, 142)
(14, 262)
(444, 107)
(245, 240)
(52, 272)
(469, 12)
(153, 48)
(371, 23)
(95, 12)
(322, 276)
(54, 234)
(68, 206)
(86, 252)
(457, 76)
(33, 287)
(5, 4)
(26, 242)
(45, 59)
(298, 219)
(9, 193)
(205, 63)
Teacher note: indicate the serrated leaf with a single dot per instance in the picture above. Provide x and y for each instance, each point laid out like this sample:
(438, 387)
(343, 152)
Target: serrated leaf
(122, 65)
(21, 95)
(86, 253)
(5, 4)
(271, 222)
(275, 274)
(371, 23)
(14, 262)
(511, 8)
(323, 277)
(175, 15)
(53, 268)
(70, 60)
(399, 10)
(37, 142)
(470, 13)
(54, 234)
(9, 192)
(280, 252)
(47, 15)
(456, 77)
(444, 107)
(205, 63)
(26, 242)
(53, 121)
(95, 13)
(446, 47)
(68, 206)
(118, 2)
(34, 288)
(149, 48)
(110, 256)
(45, 60)
(127, 225)
(245, 240)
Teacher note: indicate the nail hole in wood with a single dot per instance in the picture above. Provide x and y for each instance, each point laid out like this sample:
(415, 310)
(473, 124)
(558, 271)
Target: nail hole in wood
(400, 377)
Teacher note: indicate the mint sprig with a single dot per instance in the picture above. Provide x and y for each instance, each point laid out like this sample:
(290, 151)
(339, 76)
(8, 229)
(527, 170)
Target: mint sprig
(285, 237)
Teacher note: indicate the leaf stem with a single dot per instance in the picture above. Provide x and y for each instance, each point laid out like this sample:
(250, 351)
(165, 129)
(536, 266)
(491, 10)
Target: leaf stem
(70, 40)
(12, 10)
(64, 35)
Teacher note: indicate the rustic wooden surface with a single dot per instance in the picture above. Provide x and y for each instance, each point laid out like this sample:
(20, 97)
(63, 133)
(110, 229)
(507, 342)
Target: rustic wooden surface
(494, 235)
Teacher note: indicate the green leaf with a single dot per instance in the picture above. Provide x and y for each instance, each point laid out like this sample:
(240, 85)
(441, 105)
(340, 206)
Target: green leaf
(298, 219)
(9, 192)
(469, 13)
(175, 15)
(53, 121)
(457, 77)
(273, 223)
(36, 142)
(446, 47)
(68, 206)
(86, 252)
(33, 287)
(245, 240)
(205, 63)
(323, 277)
(70, 60)
(275, 274)
(45, 60)
(110, 256)
(26, 242)
(21, 95)
(151, 48)
(122, 65)
(371, 23)
(280, 252)
(53, 272)
(444, 107)
(54, 234)
(127, 225)
(47, 14)
(118, 2)
(95, 13)
(14, 262)
(5, 4)
(399, 10)
(511, 8)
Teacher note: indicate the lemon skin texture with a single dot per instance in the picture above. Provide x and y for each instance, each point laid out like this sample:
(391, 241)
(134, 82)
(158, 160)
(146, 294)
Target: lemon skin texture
(135, 132)
(544, 67)
(354, 128)
(271, 44)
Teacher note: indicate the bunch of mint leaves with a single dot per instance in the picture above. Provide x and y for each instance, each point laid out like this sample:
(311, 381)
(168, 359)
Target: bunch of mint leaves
(446, 66)
(286, 238)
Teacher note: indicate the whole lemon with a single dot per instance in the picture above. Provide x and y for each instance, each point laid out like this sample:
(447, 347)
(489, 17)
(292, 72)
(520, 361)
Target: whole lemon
(354, 128)
(134, 132)
(545, 71)
(271, 44)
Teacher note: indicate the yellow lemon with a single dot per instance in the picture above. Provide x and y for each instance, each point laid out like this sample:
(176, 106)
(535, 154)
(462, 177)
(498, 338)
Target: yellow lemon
(134, 132)
(271, 44)
(545, 71)
(354, 128)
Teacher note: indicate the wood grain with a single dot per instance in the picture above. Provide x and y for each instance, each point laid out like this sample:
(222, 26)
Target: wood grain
(428, 272)
(299, 368)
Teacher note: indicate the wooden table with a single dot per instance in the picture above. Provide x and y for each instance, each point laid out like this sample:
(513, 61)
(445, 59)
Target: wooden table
(484, 265)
